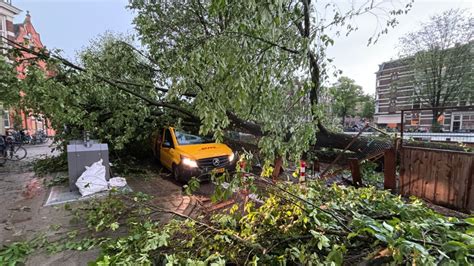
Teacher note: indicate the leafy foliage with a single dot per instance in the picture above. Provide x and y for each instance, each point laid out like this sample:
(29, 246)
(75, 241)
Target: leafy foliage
(288, 224)
(75, 101)
(368, 107)
(9, 83)
(18, 252)
(50, 164)
(319, 225)
(370, 176)
(15, 253)
(346, 94)
(268, 55)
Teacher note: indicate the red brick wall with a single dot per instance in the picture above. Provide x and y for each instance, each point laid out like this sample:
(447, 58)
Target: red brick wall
(9, 26)
(30, 123)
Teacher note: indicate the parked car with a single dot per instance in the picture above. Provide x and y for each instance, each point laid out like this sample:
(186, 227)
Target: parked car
(464, 130)
(422, 130)
(187, 155)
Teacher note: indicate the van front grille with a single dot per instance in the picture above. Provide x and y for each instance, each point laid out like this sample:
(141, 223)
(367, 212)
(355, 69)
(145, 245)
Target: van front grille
(213, 162)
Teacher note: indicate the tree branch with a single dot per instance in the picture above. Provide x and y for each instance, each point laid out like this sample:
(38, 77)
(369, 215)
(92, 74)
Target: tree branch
(111, 82)
(284, 48)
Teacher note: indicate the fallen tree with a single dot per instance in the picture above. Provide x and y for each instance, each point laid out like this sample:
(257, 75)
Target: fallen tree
(214, 66)
(208, 66)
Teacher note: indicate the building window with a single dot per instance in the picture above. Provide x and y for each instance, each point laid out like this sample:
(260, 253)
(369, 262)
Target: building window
(463, 122)
(394, 75)
(6, 119)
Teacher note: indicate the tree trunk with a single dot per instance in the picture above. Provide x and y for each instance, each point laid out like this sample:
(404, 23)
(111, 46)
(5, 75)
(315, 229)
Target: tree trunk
(362, 148)
(435, 126)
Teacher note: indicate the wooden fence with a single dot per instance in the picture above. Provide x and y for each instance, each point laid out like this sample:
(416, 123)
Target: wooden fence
(441, 176)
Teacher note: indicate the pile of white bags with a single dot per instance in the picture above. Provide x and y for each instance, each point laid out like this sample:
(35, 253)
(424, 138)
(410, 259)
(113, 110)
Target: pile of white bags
(93, 180)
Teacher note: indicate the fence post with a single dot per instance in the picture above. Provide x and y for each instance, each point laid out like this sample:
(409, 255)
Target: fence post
(276, 171)
(316, 166)
(316, 169)
(355, 171)
(389, 171)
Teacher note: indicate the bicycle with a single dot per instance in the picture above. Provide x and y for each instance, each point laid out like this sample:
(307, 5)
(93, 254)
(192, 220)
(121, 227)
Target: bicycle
(39, 138)
(11, 150)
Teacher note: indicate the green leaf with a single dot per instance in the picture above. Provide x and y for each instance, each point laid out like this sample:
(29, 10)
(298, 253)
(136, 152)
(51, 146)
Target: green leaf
(114, 226)
(470, 220)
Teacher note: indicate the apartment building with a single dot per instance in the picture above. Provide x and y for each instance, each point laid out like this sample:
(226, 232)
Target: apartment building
(395, 91)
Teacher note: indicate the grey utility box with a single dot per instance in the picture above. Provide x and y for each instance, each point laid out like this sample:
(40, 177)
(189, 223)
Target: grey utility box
(81, 154)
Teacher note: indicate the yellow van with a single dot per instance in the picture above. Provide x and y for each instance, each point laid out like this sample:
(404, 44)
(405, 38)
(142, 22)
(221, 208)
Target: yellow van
(187, 155)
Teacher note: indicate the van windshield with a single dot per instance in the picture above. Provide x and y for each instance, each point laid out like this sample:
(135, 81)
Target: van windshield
(187, 139)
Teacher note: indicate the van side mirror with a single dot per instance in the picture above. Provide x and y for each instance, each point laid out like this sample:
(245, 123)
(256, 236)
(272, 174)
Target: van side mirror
(167, 144)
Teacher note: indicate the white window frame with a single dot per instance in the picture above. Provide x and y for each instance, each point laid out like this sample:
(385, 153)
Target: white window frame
(3, 26)
(6, 119)
(3, 23)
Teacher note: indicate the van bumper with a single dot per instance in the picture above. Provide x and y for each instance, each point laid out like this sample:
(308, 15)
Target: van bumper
(186, 173)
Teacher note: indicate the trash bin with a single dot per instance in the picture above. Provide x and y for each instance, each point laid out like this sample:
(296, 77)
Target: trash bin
(81, 154)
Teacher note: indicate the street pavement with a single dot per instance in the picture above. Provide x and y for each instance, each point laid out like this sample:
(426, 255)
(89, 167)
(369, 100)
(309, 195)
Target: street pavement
(24, 216)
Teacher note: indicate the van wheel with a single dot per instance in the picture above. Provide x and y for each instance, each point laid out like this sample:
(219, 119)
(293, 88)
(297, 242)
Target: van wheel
(175, 173)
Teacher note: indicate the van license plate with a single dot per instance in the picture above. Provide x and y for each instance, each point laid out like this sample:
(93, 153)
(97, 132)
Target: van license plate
(218, 170)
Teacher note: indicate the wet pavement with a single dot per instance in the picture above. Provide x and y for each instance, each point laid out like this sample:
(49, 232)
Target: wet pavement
(23, 214)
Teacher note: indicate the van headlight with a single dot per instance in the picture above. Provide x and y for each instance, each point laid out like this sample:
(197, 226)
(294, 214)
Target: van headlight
(189, 162)
(231, 157)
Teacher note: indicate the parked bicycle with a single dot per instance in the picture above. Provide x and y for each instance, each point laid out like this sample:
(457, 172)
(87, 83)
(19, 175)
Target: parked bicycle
(11, 150)
(39, 138)
(20, 136)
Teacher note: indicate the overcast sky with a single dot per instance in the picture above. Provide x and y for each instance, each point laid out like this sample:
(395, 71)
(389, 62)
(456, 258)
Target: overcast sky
(70, 24)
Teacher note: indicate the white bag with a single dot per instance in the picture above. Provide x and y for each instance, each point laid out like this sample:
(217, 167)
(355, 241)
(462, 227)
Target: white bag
(117, 182)
(93, 179)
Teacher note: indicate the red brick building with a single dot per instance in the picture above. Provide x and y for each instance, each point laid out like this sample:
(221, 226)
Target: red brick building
(26, 34)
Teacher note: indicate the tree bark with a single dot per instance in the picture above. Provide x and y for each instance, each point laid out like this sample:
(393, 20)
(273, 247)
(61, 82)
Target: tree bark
(435, 126)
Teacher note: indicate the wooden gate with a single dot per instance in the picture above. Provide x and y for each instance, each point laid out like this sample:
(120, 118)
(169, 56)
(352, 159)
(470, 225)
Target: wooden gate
(443, 177)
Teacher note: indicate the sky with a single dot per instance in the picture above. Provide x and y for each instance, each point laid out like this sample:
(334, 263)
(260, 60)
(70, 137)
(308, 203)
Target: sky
(69, 25)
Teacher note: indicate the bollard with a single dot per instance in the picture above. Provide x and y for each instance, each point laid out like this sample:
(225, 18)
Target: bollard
(242, 165)
(302, 170)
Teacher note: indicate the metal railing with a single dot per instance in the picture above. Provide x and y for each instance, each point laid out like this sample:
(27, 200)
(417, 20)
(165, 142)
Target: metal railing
(448, 137)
